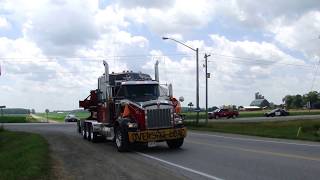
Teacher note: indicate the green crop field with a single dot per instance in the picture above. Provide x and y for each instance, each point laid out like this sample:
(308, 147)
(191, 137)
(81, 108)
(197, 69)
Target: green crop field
(16, 119)
(310, 129)
(60, 116)
(23, 156)
(192, 115)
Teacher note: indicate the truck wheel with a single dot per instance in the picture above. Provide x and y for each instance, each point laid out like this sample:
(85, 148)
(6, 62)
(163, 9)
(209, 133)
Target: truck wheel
(88, 132)
(93, 135)
(84, 132)
(175, 143)
(78, 127)
(121, 139)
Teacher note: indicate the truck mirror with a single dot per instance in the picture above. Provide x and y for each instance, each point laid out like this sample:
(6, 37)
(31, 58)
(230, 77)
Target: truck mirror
(181, 98)
(170, 90)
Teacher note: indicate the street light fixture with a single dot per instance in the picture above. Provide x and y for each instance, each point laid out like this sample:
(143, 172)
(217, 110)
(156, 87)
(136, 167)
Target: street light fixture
(197, 69)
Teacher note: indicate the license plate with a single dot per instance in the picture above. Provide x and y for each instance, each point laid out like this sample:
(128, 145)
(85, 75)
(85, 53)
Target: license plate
(152, 144)
(157, 135)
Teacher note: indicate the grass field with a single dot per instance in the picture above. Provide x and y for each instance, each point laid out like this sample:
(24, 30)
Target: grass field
(192, 115)
(310, 130)
(23, 156)
(16, 119)
(60, 116)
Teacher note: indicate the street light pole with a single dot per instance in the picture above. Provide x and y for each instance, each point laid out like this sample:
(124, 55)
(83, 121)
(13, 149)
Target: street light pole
(197, 77)
(197, 100)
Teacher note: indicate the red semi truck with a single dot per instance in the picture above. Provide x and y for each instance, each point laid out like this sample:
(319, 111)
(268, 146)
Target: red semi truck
(132, 108)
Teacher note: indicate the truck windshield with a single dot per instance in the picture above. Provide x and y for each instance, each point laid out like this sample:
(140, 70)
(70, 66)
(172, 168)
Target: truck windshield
(140, 92)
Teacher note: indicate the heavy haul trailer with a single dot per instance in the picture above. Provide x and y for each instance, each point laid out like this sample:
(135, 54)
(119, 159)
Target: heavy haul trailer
(130, 108)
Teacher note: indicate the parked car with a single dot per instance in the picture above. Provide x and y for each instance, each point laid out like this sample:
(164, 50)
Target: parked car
(277, 112)
(71, 118)
(218, 113)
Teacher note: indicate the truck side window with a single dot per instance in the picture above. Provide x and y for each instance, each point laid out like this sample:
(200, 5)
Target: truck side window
(121, 92)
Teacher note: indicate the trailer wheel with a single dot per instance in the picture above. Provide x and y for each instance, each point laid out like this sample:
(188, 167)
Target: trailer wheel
(175, 143)
(121, 139)
(93, 135)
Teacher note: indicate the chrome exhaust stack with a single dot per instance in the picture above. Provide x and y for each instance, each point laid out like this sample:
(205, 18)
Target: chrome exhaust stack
(156, 71)
(106, 71)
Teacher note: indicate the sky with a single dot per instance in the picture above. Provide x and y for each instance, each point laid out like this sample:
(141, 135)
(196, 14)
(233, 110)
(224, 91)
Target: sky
(51, 51)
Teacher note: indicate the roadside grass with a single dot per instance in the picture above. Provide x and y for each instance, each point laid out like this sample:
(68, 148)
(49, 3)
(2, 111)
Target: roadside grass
(310, 129)
(60, 116)
(293, 112)
(23, 156)
(17, 119)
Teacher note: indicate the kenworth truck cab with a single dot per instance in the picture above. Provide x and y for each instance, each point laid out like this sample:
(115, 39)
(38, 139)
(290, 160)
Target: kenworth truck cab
(132, 108)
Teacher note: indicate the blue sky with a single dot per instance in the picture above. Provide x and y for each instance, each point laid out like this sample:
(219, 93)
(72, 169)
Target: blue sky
(52, 50)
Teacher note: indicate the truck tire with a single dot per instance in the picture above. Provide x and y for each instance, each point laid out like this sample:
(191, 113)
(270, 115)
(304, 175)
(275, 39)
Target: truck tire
(121, 139)
(78, 127)
(88, 132)
(84, 132)
(175, 143)
(93, 135)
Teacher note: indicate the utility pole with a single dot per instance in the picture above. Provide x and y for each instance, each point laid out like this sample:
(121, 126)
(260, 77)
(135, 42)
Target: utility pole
(207, 76)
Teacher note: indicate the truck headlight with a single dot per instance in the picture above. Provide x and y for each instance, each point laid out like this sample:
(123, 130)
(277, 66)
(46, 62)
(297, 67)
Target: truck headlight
(178, 119)
(132, 125)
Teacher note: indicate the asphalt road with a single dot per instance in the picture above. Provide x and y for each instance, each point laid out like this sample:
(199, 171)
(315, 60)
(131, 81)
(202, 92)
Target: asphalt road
(265, 119)
(203, 156)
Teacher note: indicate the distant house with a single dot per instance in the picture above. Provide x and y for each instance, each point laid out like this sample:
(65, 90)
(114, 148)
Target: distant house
(249, 108)
(260, 103)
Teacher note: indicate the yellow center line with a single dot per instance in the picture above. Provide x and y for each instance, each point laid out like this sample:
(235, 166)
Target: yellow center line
(258, 151)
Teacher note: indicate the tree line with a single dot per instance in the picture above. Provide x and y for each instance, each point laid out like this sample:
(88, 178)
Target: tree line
(16, 111)
(310, 100)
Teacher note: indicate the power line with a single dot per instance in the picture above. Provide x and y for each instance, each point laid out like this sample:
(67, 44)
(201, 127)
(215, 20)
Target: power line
(263, 62)
(93, 59)
(128, 57)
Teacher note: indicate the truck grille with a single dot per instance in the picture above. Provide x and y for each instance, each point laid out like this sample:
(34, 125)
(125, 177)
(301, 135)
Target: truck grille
(158, 118)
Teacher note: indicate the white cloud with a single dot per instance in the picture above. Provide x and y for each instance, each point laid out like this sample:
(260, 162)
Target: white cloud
(301, 35)
(77, 35)
(146, 3)
(4, 24)
(182, 16)
(263, 67)
(43, 65)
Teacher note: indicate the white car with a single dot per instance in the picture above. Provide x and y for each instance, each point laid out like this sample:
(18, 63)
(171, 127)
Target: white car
(71, 118)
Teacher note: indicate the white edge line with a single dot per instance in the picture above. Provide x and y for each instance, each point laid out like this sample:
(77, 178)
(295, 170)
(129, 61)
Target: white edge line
(181, 167)
(29, 124)
(256, 140)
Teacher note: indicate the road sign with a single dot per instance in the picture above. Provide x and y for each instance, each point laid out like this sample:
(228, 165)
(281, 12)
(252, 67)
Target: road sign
(2, 107)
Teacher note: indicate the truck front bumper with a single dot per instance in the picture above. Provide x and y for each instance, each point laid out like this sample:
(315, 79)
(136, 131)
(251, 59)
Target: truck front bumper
(157, 135)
